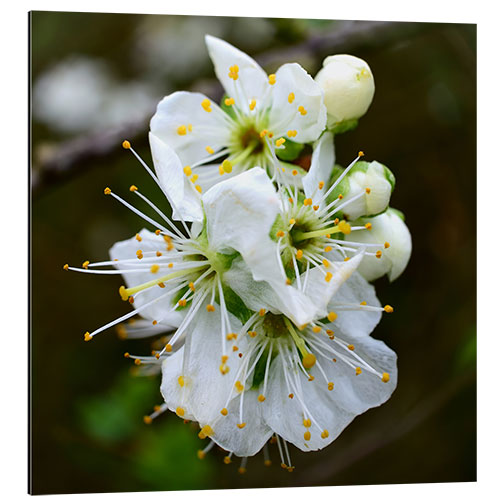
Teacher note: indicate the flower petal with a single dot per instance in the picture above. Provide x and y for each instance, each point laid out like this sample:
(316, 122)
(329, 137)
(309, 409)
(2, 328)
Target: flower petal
(305, 113)
(127, 249)
(322, 162)
(251, 82)
(182, 122)
(178, 188)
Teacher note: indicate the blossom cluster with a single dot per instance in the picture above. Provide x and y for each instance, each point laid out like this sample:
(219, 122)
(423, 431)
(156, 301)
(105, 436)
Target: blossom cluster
(255, 280)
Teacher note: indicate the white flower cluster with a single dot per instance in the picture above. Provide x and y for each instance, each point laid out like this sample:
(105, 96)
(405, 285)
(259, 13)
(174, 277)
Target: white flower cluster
(261, 289)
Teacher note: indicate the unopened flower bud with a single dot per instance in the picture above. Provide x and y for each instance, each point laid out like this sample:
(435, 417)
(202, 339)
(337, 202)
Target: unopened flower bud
(391, 233)
(369, 186)
(348, 87)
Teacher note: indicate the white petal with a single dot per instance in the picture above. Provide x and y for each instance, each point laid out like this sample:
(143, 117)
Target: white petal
(322, 162)
(357, 323)
(240, 212)
(249, 440)
(285, 115)
(177, 186)
(252, 82)
(127, 250)
(271, 295)
(175, 395)
(321, 291)
(184, 109)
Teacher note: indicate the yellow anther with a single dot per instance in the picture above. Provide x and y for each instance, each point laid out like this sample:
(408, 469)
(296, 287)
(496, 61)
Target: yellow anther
(291, 133)
(180, 381)
(87, 337)
(179, 411)
(227, 459)
(328, 276)
(290, 199)
(361, 154)
(233, 72)
(241, 470)
(315, 207)
(292, 222)
(321, 185)
(155, 268)
(262, 312)
(340, 196)
(224, 359)
(206, 105)
(131, 300)
(261, 398)
(182, 302)
(252, 333)
(263, 133)
(272, 79)
(85, 264)
(229, 101)
(280, 234)
(368, 226)
(316, 329)
(252, 104)
(378, 254)
(138, 237)
(368, 190)
(279, 142)
(291, 97)
(210, 308)
(191, 286)
(267, 463)
(284, 466)
(206, 431)
(325, 434)
(158, 253)
(307, 435)
(330, 386)
(290, 395)
(235, 348)
(200, 454)
(294, 172)
(190, 127)
(123, 293)
(311, 378)
(66, 267)
(187, 170)
(147, 419)
(132, 188)
(299, 254)
(198, 188)
(332, 316)
(388, 308)
(137, 362)
(329, 332)
(385, 377)
(326, 263)
(307, 202)
(126, 355)
(309, 360)
(161, 285)
(328, 249)
(240, 426)
(350, 347)
(158, 232)
(126, 145)
(168, 348)
(227, 166)
(181, 130)
(363, 303)
(386, 245)
(107, 190)
(288, 281)
(224, 369)
(307, 422)
(358, 370)
(121, 331)
(223, 411)
(302, 110)
(139, 254)
(209, 150)
(344, 227)
(239, 386)
(221, 170)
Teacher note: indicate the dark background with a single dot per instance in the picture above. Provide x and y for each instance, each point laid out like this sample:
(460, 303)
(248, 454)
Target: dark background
(96, 80)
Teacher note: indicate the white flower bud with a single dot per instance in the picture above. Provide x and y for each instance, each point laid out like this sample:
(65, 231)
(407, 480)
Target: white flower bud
(348, 87)
(369, 186)
(391, 233)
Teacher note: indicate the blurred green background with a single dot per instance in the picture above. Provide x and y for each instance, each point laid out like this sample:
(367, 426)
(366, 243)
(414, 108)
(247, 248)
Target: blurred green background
(96, 79)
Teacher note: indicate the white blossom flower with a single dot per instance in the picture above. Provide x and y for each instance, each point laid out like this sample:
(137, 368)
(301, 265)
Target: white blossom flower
(263, 109)
(348, 85)
(387, 229)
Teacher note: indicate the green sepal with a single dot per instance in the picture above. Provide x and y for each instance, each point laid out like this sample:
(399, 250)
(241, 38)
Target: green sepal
(227, 109)
(291, 152)
(345, 126)
(260, 368)
(397, 212)
(235, 305)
